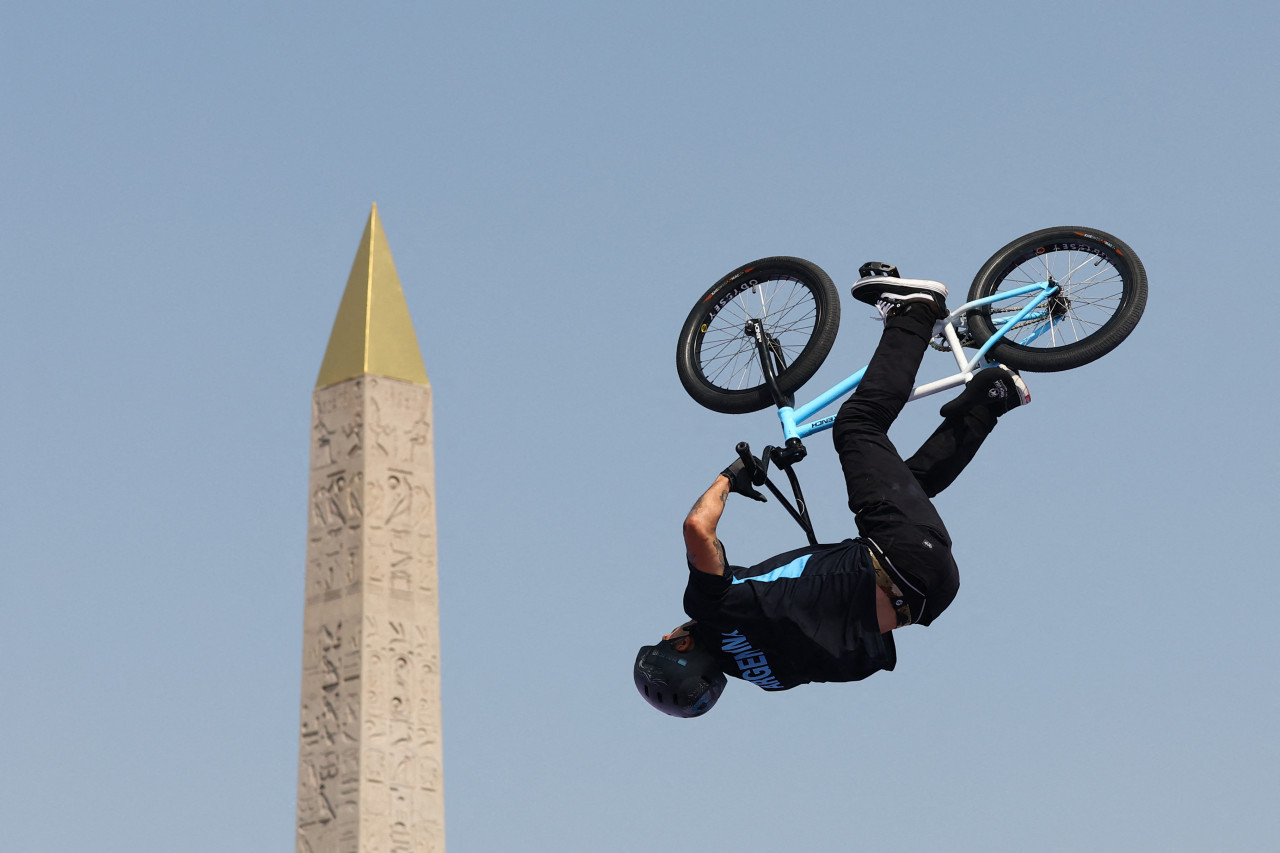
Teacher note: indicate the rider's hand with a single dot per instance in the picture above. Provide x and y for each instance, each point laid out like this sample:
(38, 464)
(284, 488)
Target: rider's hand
(740, 480)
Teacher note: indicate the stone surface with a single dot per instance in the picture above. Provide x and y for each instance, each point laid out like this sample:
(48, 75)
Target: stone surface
(369, 765)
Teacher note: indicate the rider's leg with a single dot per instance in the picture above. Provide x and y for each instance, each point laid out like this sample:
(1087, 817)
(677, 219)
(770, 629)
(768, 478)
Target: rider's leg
(951, 447)
(890, 506)
(969, 419)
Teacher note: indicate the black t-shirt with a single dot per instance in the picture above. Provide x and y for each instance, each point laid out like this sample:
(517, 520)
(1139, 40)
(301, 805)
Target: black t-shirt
(806, 615)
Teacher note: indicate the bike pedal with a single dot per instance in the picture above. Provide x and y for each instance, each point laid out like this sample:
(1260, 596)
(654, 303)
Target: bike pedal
(877, 268)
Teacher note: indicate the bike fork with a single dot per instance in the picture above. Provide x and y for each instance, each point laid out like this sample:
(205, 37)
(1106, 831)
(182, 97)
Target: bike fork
(782, 457)
(767, 349)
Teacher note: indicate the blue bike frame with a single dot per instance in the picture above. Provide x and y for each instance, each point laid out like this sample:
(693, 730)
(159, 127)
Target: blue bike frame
(796, 423)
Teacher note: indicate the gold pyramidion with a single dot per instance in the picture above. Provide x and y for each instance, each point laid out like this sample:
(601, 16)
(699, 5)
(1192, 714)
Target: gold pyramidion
(373, 332)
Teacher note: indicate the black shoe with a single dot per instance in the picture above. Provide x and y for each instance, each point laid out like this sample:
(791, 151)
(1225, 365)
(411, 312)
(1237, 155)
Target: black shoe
(997, 389)
(891, 294)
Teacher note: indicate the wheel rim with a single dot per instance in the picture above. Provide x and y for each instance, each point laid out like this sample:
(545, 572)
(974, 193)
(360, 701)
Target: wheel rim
(726, 352)
(1091, 291)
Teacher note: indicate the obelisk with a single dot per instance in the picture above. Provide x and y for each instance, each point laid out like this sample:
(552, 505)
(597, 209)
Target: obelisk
(369, 756)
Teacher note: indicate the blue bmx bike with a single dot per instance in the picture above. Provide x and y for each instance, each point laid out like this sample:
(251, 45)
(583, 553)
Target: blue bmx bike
(1052, 300)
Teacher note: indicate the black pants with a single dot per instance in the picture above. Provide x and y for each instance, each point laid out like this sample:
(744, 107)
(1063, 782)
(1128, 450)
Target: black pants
(890, 498)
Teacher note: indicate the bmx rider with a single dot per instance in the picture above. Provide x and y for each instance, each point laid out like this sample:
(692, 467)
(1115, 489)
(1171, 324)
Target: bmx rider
(827, 612)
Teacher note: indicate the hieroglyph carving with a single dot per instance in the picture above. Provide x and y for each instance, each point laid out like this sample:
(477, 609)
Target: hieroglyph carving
(369, 766)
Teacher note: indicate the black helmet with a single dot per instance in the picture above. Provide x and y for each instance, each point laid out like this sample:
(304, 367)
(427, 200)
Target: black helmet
(682, 684)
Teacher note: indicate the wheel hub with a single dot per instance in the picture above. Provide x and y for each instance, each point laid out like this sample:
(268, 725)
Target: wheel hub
(754, 330)
(1058, 305)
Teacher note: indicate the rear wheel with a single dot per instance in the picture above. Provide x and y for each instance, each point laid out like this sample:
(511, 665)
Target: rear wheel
(798, 309)
(1102, 291)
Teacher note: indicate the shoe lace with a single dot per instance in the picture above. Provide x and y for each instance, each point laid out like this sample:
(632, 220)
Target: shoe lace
(883, 306)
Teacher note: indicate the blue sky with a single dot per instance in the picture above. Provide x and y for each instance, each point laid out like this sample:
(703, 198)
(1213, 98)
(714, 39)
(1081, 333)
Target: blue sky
(185, 190)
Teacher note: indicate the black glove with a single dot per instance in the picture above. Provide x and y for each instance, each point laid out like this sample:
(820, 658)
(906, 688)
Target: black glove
(740, 480)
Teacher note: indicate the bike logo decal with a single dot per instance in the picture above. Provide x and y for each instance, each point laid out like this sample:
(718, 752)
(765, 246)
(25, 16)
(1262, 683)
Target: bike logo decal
(726, 299)
(1088, 248)
(1079, 247)
(1100, 240)
(732, 294)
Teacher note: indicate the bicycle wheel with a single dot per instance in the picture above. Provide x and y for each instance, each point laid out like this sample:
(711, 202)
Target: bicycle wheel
(1102, 293)
(717, 358)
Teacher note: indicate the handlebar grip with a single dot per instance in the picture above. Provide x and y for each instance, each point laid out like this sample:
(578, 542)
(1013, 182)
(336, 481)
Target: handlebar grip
(759, 473)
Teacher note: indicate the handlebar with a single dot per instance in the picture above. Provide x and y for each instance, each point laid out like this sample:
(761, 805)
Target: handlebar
(784, 458)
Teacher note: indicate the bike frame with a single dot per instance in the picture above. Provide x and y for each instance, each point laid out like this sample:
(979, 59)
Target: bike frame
(796, 423)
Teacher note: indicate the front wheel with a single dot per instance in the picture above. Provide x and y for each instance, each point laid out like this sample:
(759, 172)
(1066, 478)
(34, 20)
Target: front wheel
(1101, 293)
(798, 309)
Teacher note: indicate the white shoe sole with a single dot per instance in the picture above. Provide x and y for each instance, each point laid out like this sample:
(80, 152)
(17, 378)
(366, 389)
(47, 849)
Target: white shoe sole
(873, 286)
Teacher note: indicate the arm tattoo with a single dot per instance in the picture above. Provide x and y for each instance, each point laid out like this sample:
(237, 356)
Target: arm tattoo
(701, 501)
(724, 560)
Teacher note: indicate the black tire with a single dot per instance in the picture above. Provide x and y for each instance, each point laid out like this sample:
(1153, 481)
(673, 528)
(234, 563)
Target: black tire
(1103, 293)
(718, 362)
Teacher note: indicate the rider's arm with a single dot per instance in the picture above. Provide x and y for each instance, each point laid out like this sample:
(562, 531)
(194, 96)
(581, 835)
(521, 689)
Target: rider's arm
(706, 554)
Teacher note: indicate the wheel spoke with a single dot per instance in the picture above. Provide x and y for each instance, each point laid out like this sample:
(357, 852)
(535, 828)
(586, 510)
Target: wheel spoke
(1093, 296)
(786, 308)
(1100, 292)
